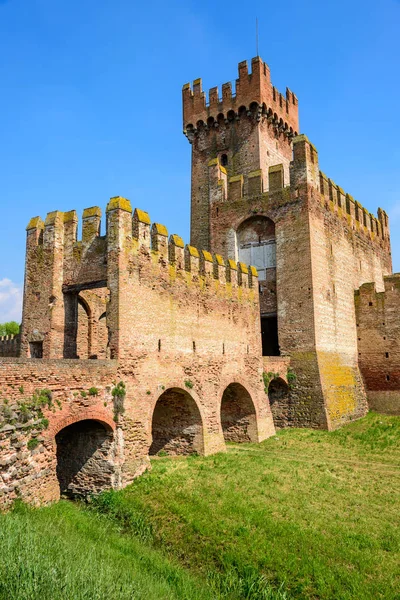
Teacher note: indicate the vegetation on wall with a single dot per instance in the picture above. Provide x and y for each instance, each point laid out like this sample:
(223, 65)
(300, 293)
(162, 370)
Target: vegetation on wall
(118, 394)
(267, 378)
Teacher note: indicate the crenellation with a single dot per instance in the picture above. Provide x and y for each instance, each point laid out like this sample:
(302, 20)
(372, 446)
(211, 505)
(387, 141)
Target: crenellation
(206, 265)
(232, 273)
(354, 213)
(220, 269)
(141, 225)
(159, 239)
(253, 91)
(235, 190)
(91, 223)
(10, 345)
(243, 274)
(192, 259)
(378, 334)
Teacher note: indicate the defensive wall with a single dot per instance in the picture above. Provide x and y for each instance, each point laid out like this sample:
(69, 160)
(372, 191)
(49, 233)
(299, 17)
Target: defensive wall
(10, 345)
(378, 334)
(182, 336)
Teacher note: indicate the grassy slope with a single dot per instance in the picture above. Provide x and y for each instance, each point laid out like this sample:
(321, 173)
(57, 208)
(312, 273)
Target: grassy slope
(66, 552)
(312, 511)
(317, 511)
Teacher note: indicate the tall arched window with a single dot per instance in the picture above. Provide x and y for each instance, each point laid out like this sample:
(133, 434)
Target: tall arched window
(256, 244)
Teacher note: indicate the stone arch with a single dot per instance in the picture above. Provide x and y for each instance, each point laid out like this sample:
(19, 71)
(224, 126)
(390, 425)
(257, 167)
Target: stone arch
(238, 415)
(177, 425)
(87, 458)
(278, 395)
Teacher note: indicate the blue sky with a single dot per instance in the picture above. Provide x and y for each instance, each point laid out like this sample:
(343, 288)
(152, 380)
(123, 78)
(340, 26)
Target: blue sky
(91, 102)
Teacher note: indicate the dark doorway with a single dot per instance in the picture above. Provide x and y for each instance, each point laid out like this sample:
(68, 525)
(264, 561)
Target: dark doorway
(85, 458)
(269, 336)
(176, 426)
(36, 349)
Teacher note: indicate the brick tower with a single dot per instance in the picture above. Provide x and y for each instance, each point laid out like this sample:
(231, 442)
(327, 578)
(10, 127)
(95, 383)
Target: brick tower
(259, 197)
(241, 147)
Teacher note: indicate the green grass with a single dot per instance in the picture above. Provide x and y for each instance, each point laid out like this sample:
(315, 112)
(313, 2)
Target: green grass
(65, 552)
(306, 514)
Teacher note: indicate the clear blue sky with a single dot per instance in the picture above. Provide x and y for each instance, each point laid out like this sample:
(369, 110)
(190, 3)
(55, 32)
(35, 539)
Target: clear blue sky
(91, 102)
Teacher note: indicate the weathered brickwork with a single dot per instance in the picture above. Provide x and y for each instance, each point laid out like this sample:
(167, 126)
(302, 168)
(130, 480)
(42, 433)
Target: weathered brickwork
(10, 345)
(257, 190)
(134, 344)
(182, 327)
(378, 334)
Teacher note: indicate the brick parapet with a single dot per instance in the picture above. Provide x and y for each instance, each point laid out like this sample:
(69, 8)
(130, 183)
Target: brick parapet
(307, 180)
(10, 345)
(253, 97)
(139, 229)
(378, 335)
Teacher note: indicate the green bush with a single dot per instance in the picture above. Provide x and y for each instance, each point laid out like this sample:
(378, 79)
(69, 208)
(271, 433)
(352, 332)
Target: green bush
(32, 444)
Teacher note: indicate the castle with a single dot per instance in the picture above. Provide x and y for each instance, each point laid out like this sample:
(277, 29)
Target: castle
(282, 311)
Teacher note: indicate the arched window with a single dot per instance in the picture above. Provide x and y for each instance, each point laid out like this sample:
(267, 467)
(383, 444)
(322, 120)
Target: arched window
(256, 244)
(224, 160)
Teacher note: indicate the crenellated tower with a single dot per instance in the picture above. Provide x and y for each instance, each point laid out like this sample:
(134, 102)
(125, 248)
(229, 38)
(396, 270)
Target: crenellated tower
(258, 195)
(240, 136)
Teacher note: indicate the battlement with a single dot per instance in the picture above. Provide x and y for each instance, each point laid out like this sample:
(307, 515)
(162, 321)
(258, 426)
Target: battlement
(305, 173)
(131, 230)
(357, 216)
(238, 187)
(10, 345)
(254, 97)
(367, 295)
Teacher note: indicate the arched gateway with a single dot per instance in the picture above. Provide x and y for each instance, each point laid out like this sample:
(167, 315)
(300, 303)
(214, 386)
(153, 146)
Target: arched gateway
(86, 458)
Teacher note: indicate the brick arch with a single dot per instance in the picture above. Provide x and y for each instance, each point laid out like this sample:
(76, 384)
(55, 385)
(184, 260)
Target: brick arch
(179, 384)
(236, 224)
(239, 413)
(57, 423)
(176, 422)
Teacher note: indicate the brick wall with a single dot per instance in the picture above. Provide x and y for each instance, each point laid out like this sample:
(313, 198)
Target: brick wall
(10, 345)
(182, 326)
(378, 335)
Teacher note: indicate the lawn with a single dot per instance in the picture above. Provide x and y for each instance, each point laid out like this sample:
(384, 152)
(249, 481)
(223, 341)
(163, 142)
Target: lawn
(306, 514)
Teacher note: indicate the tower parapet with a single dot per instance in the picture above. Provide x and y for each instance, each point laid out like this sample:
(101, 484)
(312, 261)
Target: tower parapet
(307, 177)
(254, 96)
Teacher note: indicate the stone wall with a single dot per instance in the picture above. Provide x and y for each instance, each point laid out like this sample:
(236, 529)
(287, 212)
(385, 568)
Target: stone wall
(39, 398)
